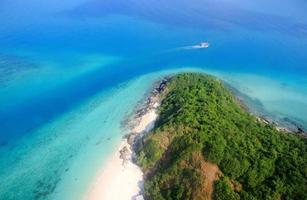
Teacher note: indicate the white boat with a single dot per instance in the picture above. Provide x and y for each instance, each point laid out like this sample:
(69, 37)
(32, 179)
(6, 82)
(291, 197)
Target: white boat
(204, 45)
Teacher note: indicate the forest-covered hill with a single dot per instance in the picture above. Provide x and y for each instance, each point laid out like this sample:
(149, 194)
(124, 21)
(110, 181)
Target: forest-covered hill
(206, 146)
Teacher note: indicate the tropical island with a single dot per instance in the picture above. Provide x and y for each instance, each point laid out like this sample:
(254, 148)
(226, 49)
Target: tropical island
(206, 145)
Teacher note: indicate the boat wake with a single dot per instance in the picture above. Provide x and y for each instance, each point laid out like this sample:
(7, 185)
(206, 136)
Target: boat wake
(202, 45)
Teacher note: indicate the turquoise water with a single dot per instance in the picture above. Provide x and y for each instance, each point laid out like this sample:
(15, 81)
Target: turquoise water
(72, 71)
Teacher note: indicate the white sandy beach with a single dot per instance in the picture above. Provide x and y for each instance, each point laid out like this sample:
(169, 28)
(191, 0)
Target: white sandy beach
(121, 179)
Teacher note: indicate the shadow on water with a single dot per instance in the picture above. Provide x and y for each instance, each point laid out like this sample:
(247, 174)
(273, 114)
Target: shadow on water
(10, 65)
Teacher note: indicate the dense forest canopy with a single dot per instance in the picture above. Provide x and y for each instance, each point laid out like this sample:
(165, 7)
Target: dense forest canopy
(205, 145)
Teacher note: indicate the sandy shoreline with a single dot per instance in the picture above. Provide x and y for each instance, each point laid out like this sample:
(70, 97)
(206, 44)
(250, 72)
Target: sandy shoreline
(120, 178)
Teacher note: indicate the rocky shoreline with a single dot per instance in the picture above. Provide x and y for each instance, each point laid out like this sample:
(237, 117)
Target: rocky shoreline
(140, 123)
(151, 103)
(296, 129)
(256, 108)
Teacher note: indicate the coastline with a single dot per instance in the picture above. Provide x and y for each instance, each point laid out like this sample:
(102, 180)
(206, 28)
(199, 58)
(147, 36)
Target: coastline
(120, 178)
(285, 124)
(188, 146)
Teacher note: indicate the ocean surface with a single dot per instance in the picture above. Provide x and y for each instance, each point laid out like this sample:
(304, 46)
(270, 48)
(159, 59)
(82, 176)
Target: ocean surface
(72, 71)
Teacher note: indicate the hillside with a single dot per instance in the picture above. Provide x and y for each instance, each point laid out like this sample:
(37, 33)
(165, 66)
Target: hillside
(206, 146)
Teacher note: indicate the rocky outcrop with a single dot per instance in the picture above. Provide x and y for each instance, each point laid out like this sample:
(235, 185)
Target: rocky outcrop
(152, 102)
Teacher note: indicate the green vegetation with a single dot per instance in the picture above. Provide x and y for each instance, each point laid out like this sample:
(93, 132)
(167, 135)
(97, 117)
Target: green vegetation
(202, 130)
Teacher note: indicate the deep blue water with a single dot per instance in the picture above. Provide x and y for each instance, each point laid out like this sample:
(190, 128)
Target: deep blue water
(57, 56)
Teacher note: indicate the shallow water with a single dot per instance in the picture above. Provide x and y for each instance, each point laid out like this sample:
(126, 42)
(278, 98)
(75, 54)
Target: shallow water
(71, 71)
